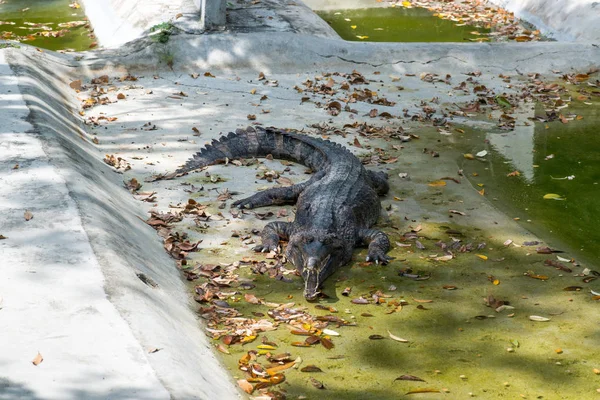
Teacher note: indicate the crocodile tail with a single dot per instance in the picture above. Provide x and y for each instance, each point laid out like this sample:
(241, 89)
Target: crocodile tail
(260, 142)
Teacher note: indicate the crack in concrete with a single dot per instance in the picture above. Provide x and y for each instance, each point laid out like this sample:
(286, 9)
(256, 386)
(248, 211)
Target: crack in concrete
(545, 53)
(390, 63)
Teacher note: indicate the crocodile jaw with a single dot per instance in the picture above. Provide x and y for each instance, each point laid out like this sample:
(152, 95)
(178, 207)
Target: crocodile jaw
(314, 273)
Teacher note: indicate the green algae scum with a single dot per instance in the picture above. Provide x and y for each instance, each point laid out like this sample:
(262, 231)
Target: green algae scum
(397, 25)
(551, 158)
(48, 24)
(502, 318)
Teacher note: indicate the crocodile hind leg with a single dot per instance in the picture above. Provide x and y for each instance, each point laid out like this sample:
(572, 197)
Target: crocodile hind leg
(279, 195)
(379, 244)
(379, 182)
(271, 234)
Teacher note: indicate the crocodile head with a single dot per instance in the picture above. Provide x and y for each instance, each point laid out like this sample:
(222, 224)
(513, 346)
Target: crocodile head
(316, 255)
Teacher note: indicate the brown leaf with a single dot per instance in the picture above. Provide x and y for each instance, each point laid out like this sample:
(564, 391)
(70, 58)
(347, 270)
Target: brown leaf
(316, 383)
(424, 390)
(121, 96)
(409, 378)
(422, 301)
(334, 108)
(251, 117)
(28, 215)
(133, 185)
(357, 143)
(311, 368)
(245, 386)
(222, 349)
(252, 299)
(327, 343)
(76, 85)
(37, 359)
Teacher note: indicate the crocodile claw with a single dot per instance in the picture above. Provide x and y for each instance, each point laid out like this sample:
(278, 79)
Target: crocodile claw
(379, 257)
(243, 203)
(265, 248)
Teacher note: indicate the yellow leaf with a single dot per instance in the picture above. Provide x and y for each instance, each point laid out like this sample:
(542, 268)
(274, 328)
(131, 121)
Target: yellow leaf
(481, 192)
(469, 156)
(266, 347)
(362, 37)
(353, 26)
(437, 183)
(553, 196)
(523, 38)
(406, 4)
(248, 339)
(279, 368)
(496, 282)
(253, 91)
(484, 258)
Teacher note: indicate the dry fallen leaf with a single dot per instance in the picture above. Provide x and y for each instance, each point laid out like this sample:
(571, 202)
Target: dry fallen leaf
(37, 359)
(437, 183)
(537, 318)
(75, 85)
(396, 338)
(28, 215)
(409, 378)
(245, 386)
(425, 390)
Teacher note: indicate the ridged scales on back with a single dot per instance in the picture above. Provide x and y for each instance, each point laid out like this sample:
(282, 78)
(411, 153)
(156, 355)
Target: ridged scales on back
(335, 208)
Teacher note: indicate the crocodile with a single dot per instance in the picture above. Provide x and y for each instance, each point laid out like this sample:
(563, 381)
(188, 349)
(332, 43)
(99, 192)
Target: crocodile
(335, 208)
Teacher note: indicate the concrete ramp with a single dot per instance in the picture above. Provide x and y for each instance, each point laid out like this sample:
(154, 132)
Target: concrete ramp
(71, 283)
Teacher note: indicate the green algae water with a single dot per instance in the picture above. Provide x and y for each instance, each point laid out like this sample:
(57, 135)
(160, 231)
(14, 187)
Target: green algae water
(397, 25)
(48, 24)
(553, 159)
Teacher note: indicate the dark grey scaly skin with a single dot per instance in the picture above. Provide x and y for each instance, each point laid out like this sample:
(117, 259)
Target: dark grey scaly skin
(335, 208)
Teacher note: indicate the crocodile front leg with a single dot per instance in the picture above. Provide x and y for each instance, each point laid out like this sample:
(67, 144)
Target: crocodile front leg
(379, 244)
(271, 234)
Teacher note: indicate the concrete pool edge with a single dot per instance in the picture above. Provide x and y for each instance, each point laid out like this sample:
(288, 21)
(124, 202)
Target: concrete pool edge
(123, 246)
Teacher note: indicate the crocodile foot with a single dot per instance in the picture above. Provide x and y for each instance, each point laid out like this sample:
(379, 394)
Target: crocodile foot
(243, 203)
(265, 248)
(378, 256)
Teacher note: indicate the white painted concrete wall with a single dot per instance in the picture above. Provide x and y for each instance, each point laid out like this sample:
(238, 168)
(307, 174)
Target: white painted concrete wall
(116, 22)
(568, 20)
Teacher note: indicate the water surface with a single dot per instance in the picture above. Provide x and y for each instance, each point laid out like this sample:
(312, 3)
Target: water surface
(397, 25)
(49, 24)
